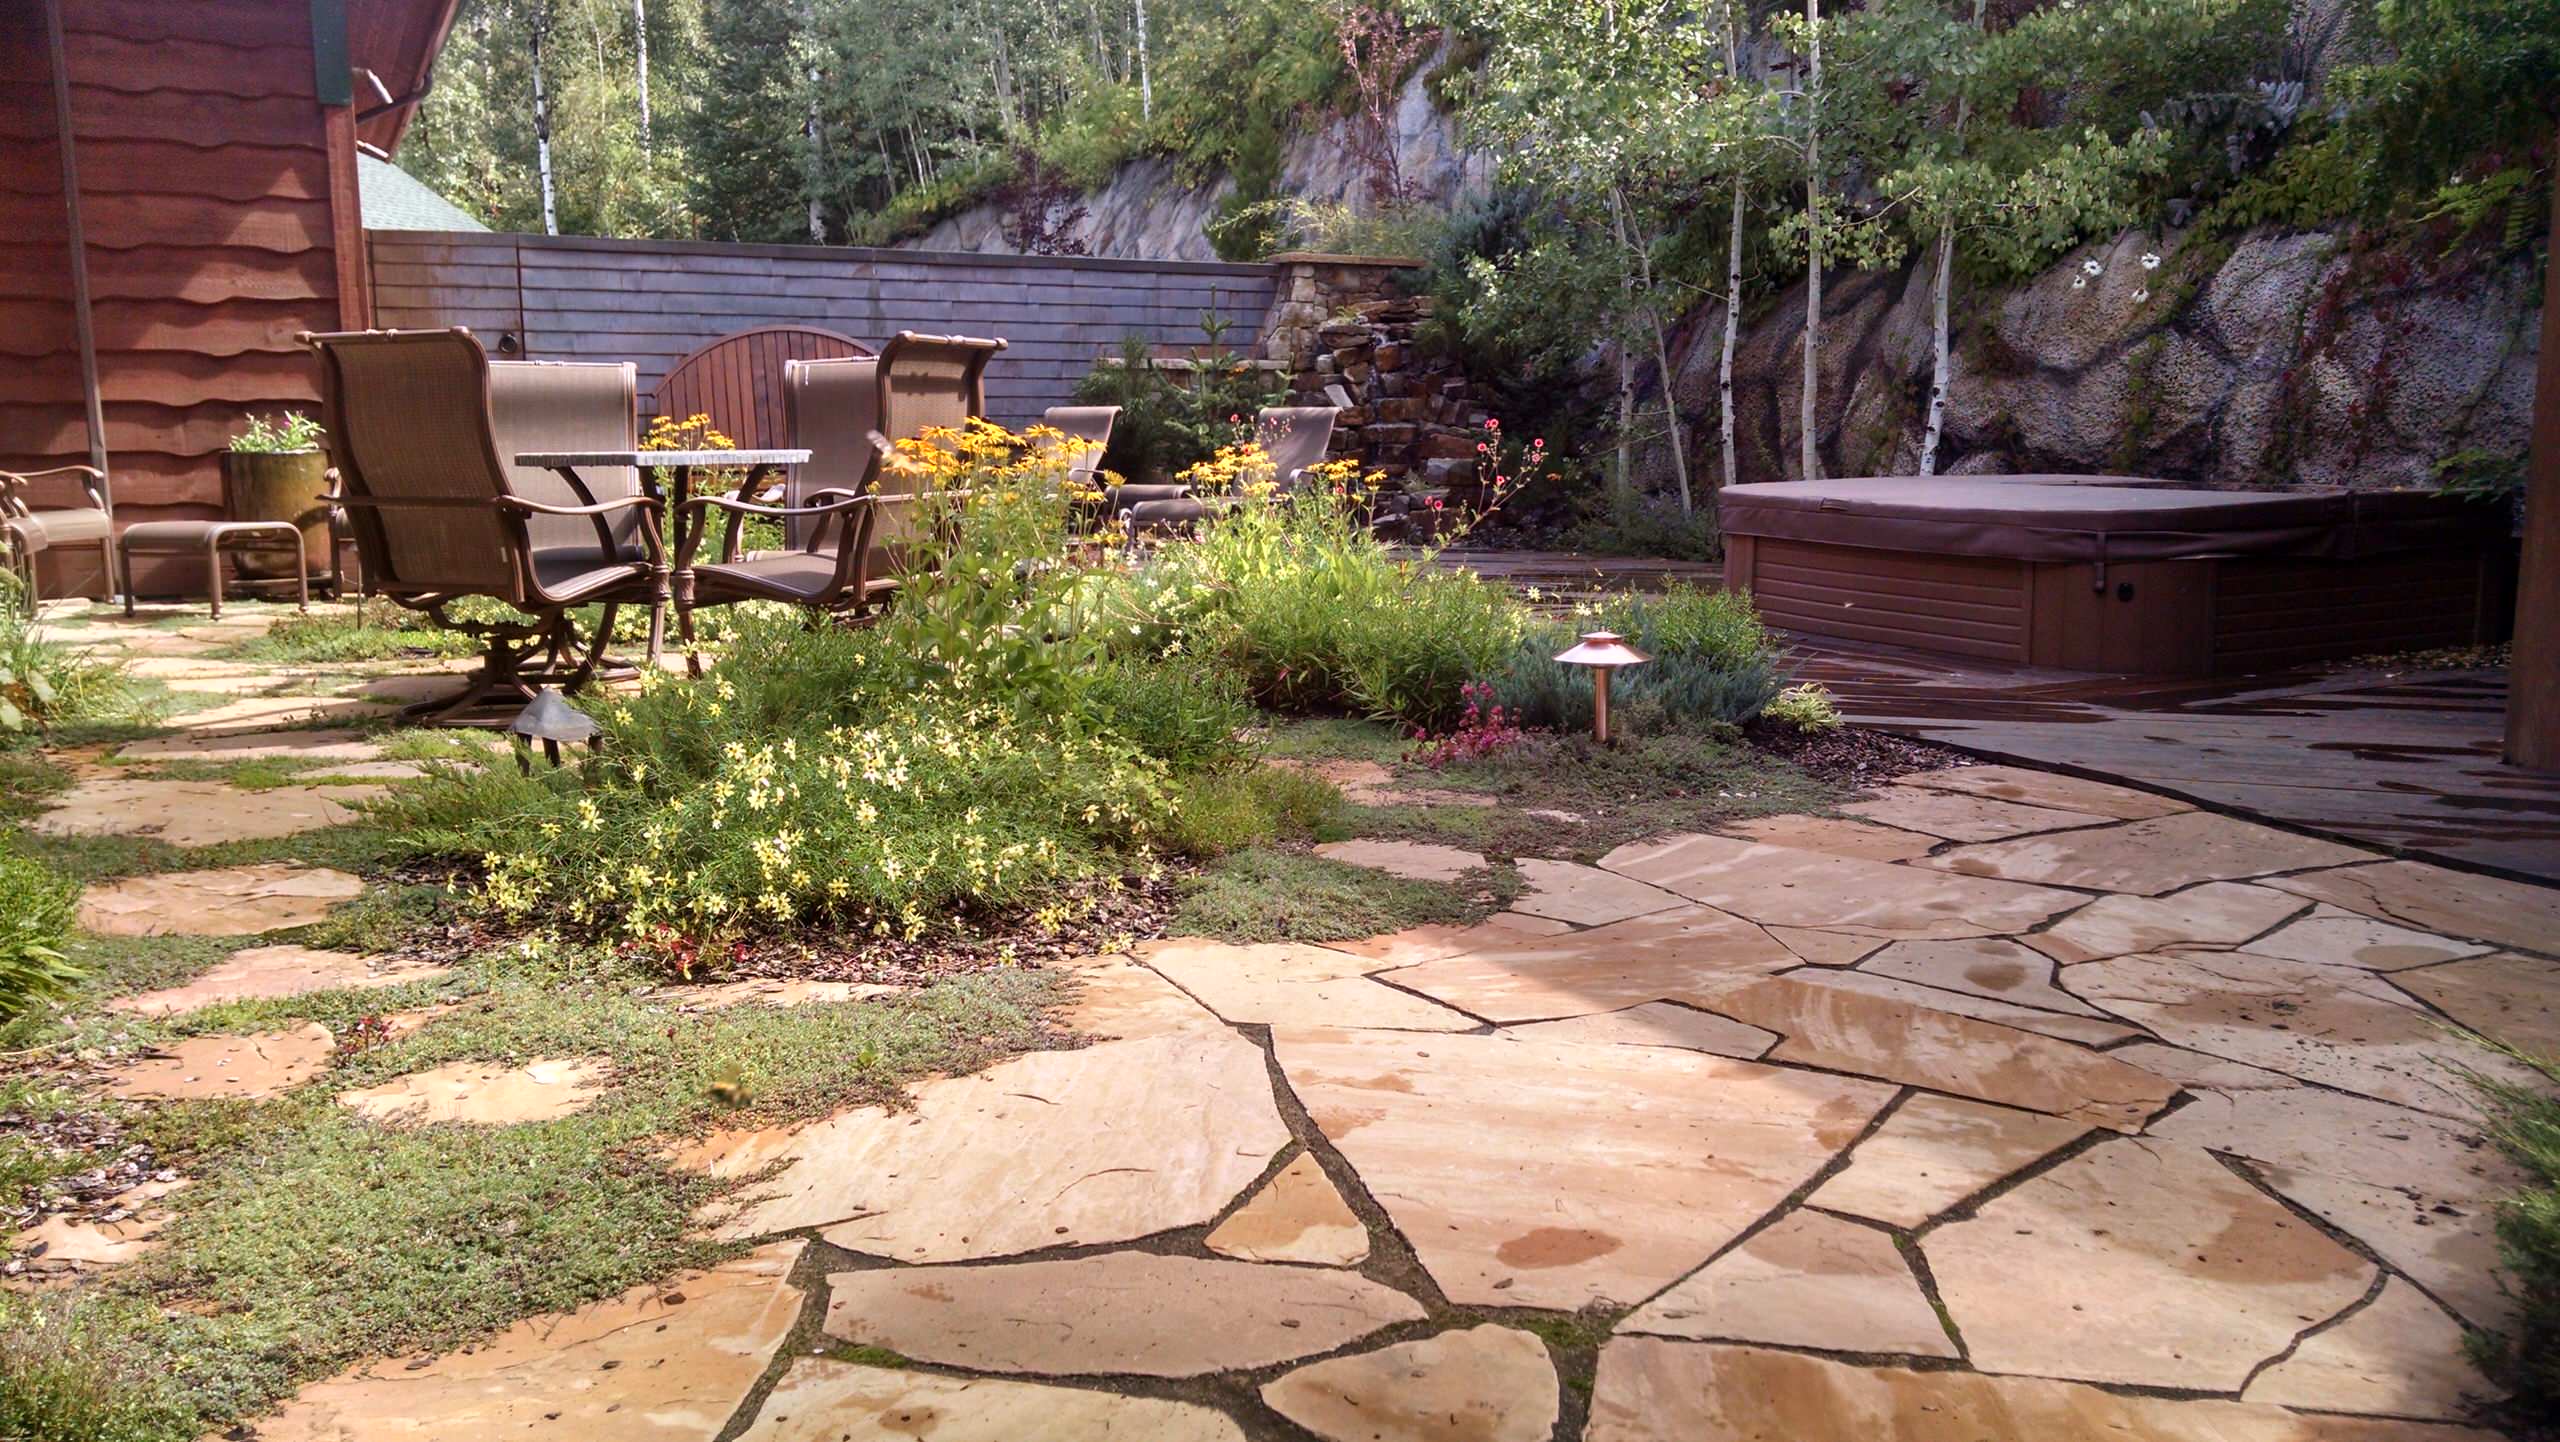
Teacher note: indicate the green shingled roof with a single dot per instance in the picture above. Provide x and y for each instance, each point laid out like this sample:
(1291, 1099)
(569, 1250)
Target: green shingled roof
(396, 200)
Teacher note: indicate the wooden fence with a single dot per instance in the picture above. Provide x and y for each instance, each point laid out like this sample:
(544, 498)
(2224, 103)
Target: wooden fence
(652, 302)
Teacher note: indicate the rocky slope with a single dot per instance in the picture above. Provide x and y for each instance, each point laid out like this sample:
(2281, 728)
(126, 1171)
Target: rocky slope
(2281, 358)
(1148, 212)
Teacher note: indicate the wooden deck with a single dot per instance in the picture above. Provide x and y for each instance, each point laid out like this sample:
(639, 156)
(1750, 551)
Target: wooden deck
(2407, 762)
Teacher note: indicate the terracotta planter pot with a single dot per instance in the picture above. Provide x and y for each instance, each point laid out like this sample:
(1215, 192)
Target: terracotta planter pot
(279, 486)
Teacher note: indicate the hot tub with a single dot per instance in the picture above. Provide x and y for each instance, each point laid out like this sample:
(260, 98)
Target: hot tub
(2118, 573)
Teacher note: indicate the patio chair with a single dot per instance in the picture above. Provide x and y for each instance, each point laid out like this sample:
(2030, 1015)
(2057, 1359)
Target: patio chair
(33, 529)
(437, 516)
(846, 540)
(1295, 438)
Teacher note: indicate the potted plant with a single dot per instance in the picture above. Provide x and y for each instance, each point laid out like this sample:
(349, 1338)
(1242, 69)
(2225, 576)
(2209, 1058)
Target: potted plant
(276, 471)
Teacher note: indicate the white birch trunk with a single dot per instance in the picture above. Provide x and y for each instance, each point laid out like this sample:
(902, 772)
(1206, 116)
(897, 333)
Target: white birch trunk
(1732, 329)
(1626, 355)
(1146, 85)
(542, 133)
(1809, 398)
(1938, 360)
(640, 65)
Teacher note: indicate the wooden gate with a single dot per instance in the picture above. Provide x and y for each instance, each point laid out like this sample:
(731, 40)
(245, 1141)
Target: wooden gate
(737, 380)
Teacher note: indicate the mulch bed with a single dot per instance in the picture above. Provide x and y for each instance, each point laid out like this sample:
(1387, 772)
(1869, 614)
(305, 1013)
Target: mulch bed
(1109, 919)
(1851, 755)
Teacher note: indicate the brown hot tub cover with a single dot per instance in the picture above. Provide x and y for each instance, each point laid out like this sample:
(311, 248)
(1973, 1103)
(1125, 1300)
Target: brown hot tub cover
(2098, 518)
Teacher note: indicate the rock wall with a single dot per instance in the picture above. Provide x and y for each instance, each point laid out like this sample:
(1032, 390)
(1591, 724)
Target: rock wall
(1147, 212)
(2282, 358)
(1348, 339)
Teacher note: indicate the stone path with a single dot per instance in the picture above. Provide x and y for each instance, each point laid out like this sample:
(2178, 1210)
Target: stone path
(2006, 1107)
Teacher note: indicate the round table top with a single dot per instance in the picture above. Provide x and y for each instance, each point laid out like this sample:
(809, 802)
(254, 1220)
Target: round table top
(549, 459)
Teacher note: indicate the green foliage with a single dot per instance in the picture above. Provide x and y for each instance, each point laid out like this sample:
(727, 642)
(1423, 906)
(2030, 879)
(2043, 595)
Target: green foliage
(1226, 811)
(45, 684)
(2465, 94)
(1317, 615)
(267, 435)
(1713, 662)
(2525, 1123)
(35, 916)
(1172, 417)
(1632, 523)
(2492, 477)
(1273, 895)
(1805, 706)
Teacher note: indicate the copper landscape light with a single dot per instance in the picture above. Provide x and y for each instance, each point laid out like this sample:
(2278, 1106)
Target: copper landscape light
(1603, 652)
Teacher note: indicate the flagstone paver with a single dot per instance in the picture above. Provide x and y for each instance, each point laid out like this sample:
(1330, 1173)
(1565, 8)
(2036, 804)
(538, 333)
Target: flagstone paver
(1958, 816)
(822, 1400)
(776, 992)
(1656, 1390)
(1655, 1023)
(69, 1244)
(275, 971)
(486, 1094)
(1836, 835)
(1413, 860)
(259, 1064)
(232, 901)
(666, 1362)
(1125, 999)
(2332, 1025)
(1808, 1280)
(1992, 967)
(1482, 1384)
(1137, 1313)
(1291, 984)
(2048, 789)
(277, 713)
(2197, 1071)
(1825, 948)
(2220, 913)
(2439, 899)
(1888, 1038)
(1549, 1174)
(2088, 1031)
(1585, 896)
(321, 745)
(1296, 1217)
(2141, 1262)
(2505, 997)
(2417, 1189)
(1780, 886)
(2150, 856)
(2399, 1357)
(1934, 1152)
(1104, 1144)
(2342, 938)
(1683, 954)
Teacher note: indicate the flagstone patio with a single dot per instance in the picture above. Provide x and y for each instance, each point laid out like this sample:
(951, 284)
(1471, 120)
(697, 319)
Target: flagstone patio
(2020, 1108)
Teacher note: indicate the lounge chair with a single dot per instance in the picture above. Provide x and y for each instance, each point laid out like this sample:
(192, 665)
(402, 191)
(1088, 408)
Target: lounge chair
(845, 541)
(1294, 438)
(438, 516)
(33, 529)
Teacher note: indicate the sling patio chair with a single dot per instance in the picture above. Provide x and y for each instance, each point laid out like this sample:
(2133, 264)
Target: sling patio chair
(33, 528)
(1294, 438)
(437, 516)
(847, 541)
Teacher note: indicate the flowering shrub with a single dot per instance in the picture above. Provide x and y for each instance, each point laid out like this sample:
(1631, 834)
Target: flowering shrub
(977, 747)
(1483, 728)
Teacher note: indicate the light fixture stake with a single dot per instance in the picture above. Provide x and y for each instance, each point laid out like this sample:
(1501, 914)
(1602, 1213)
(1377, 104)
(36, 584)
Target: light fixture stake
(1603, 652)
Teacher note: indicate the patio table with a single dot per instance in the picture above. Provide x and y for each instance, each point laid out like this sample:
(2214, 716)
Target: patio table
(680, 466)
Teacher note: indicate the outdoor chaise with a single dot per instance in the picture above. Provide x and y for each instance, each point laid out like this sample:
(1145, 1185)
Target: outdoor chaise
(1295, 438)
(438, 516)
(33, 529)
(844, 534)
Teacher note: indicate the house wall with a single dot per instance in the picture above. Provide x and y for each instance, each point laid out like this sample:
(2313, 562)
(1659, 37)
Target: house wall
(217, 196)
(653, 302)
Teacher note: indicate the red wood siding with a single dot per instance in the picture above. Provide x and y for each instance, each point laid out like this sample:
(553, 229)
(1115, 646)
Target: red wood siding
(217, 228)
(1964, 605)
